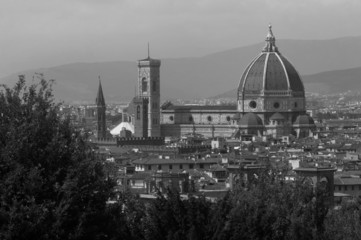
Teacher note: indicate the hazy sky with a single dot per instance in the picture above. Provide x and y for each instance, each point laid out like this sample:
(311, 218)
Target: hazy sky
(44, 33)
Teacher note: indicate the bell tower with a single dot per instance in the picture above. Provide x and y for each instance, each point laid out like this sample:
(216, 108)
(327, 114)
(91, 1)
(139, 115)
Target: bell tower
(149, 90)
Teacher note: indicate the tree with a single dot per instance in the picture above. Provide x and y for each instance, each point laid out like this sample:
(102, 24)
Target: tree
(268, 208)
(344, 223)
(171, 217)
(51, 184)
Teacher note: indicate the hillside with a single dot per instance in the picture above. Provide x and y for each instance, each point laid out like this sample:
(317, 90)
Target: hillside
(324, 83)
(334, 81)
(205, 76)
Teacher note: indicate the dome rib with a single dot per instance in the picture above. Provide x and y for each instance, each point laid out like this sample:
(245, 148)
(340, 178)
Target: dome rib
(245, 73)
(265, 71)
(297, 84)
(275, 75)
(254, 79)
(241, 83)
(270, 73)
(285, 71)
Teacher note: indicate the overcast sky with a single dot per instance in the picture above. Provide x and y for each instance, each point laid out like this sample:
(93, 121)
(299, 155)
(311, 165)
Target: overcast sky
(44, 33)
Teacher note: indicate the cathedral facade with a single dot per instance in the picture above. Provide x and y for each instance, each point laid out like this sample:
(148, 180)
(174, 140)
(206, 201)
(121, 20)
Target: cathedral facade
(270, 102)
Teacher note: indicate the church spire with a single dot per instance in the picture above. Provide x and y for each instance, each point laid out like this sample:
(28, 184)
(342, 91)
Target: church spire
(100, 97)
(270, 41)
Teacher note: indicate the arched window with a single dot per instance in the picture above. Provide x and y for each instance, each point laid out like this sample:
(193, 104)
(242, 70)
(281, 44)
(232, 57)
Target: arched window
(209, 118)
(138, 112)
(144, 85)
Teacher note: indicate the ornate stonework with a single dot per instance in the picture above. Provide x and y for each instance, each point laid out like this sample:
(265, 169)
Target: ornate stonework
(270, 84)
(149, 89)
(270, 91)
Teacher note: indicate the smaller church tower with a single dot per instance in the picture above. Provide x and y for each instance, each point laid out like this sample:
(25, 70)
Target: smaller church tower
(100, 114)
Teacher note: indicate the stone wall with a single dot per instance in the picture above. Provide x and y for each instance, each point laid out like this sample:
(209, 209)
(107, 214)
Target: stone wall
(207, 130)
(197, 118)
(140, 141)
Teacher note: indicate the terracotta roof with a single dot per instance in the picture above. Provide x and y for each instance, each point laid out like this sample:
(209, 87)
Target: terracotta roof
(347, 180)
(236, 116)
(349, 173)
(217, 168)
(314, 169)
(140, 175)
(156, 161)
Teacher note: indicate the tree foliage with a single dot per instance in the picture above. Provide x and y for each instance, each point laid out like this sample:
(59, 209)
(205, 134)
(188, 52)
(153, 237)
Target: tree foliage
(53, 186)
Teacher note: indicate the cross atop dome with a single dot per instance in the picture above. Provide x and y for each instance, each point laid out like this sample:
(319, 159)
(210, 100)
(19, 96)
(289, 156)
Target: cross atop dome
(270, 33)
(270, 41)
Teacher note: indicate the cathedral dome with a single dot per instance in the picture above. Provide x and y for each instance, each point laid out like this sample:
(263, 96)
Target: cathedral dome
(270, 71)
(250, 120)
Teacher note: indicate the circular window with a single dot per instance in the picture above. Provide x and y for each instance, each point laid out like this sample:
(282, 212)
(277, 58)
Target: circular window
(228, 118)
(190, 118)
(276, 105)
(295, 104)
(252, 104)
(209, 118)
(171, 118)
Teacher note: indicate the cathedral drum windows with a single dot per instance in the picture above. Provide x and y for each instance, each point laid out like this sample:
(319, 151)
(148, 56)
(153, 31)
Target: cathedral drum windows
(276, 105)
(252, 104)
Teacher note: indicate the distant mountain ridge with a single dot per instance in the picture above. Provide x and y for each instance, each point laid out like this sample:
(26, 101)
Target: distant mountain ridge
(336, 81)
(207, 76)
